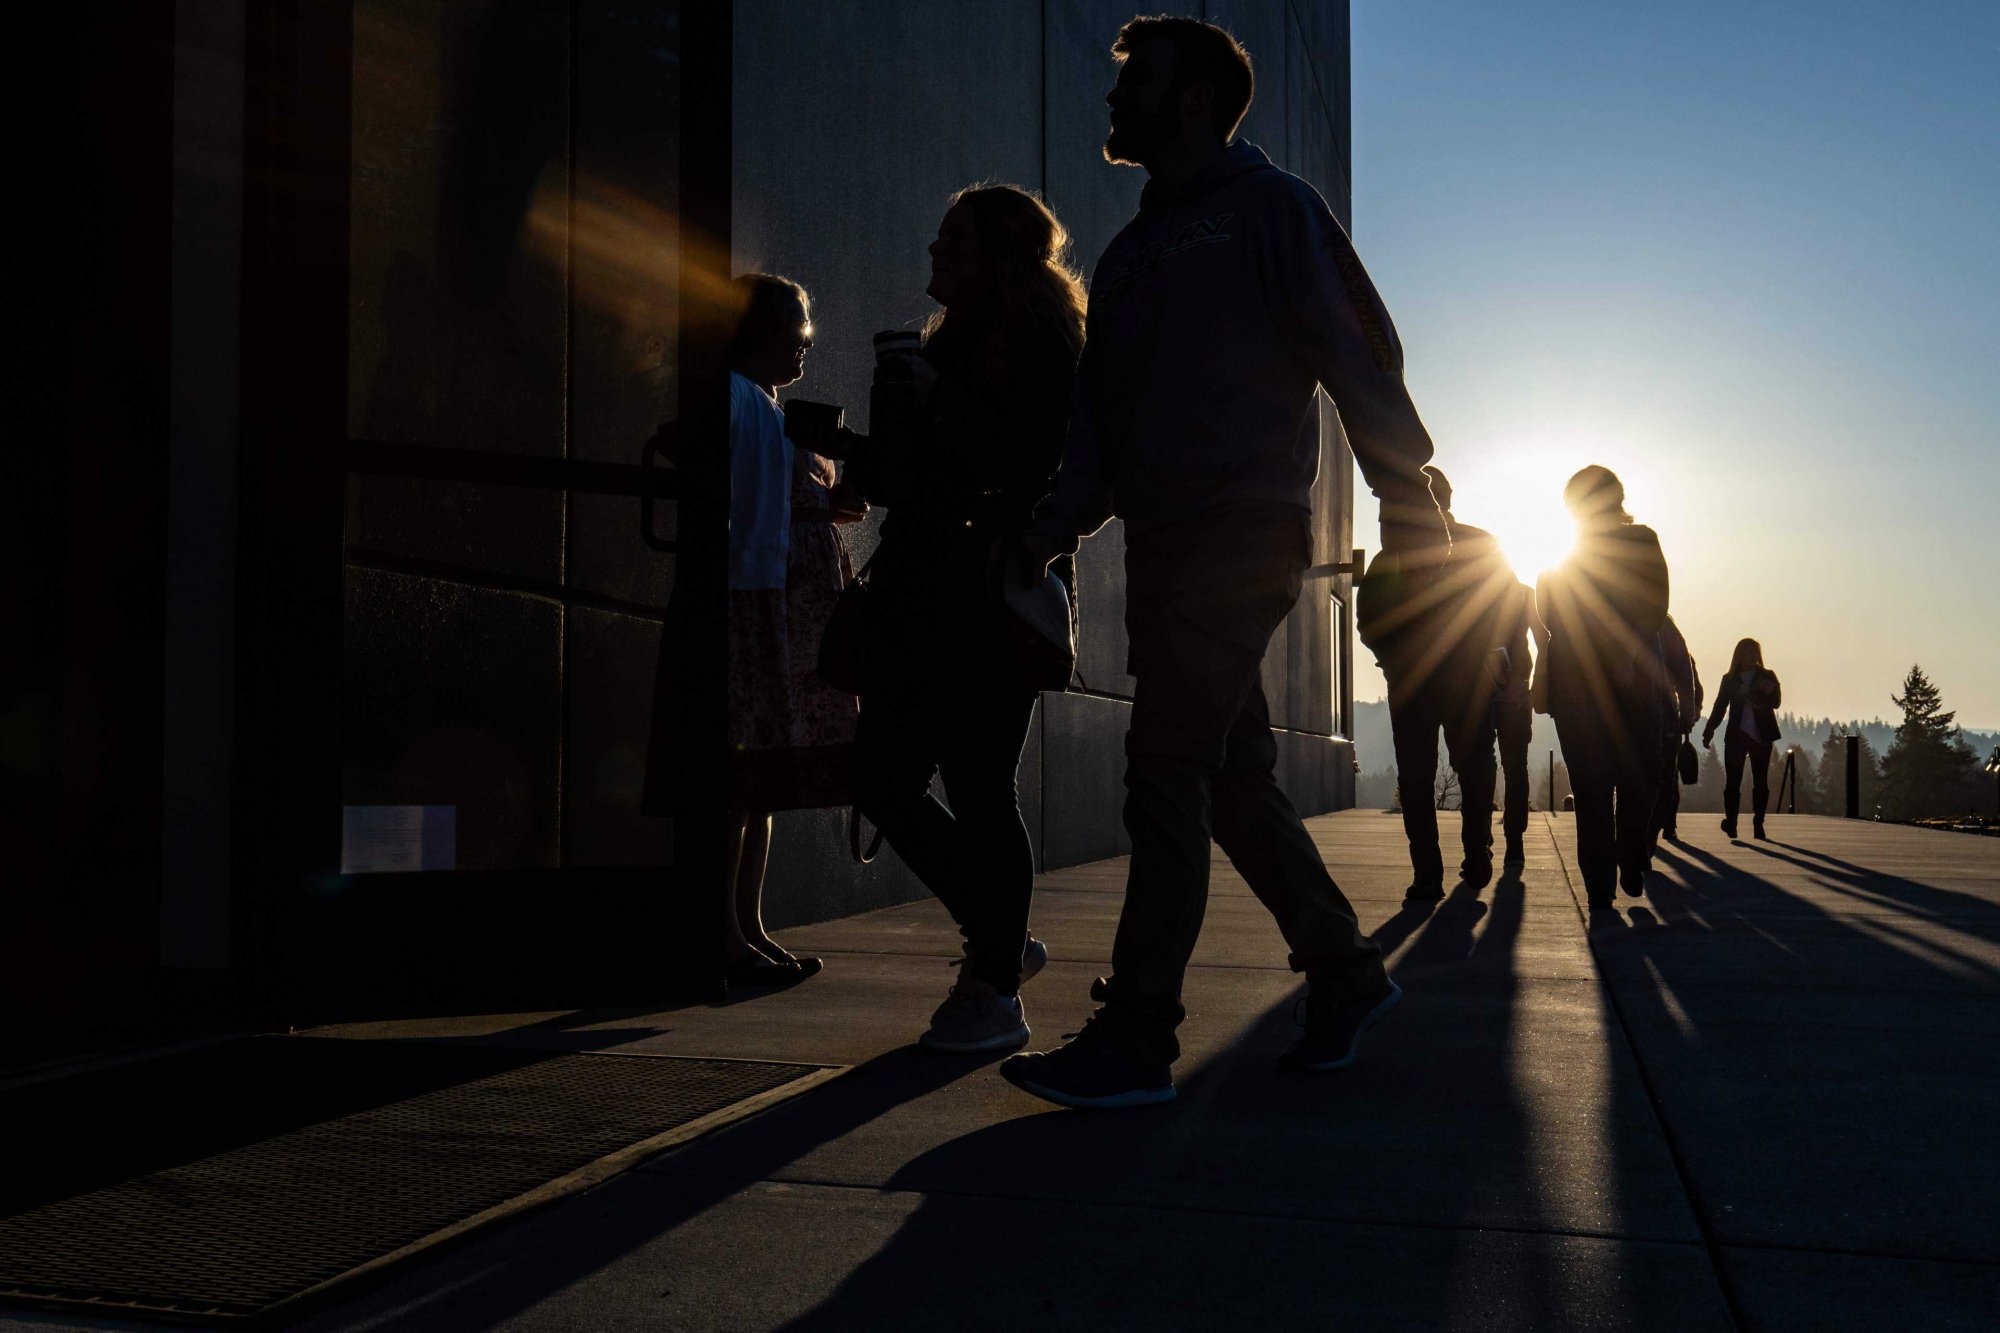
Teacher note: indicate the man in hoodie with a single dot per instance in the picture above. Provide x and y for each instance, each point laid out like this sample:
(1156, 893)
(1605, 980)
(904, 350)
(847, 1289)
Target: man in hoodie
(1214, 316)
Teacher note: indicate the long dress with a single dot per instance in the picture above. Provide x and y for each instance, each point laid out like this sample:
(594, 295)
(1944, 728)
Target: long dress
(791, 735)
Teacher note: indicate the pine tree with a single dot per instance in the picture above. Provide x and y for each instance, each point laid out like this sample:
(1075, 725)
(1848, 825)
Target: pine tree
(1929, 766)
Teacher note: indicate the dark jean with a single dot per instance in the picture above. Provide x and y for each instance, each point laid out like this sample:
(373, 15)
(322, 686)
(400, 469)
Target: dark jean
(1202, 599)
(1515, 723)
(1465, 713)
(1738, 749)
(975, 856)
(1667, 809)
(1614, 773)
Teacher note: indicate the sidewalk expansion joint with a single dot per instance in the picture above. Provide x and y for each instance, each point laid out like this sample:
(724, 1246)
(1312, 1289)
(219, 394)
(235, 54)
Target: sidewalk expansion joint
(1731, 1303)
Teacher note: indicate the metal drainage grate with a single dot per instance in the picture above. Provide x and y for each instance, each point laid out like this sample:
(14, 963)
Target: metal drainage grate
(235, 1233)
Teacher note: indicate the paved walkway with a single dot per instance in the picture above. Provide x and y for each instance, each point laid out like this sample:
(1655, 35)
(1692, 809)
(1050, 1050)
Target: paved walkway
(1765, 1096)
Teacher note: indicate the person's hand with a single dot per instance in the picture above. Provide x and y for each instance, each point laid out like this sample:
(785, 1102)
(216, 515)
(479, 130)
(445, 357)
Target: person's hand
(1037, 550)
(847, 503)
(1708, 739)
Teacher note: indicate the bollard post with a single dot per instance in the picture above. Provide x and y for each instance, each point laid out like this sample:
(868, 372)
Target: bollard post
(1552, 781)
(1854, 777)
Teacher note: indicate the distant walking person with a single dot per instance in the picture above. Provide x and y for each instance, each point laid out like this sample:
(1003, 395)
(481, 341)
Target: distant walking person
(1602, 606)
(1214, 315)
(1451, 669)
(791, 736)
(1749, 695)
(1681, 683)
(999, 360)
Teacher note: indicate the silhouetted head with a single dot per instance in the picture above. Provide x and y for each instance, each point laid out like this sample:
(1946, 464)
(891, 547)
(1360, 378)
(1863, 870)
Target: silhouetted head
(1178, 79)
(1000, 270)
(1596, 498)
(1440, 487)
(773, 329)
(1749, 654)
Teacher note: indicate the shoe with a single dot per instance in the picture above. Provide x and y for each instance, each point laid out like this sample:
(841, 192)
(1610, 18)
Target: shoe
(1670, 833)
(1476, 874)
(757, 970)
(1601, 900)
(1633, 880)
(1091, 1072)
(1424, 893)
(1516, 858)
(1335, 1025)
(1729, 828)
(1757, 832)
(975, 1018)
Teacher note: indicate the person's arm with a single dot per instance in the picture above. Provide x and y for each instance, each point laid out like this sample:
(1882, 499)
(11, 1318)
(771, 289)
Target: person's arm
(760, 494)
(1080, 501)
(1721, 707)
(1340, 327)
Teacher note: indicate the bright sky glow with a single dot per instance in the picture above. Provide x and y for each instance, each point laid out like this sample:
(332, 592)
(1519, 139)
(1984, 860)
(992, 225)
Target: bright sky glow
(1744, 255)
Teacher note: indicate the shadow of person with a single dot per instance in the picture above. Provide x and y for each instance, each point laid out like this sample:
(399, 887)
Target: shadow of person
(1264, 1198)
(1798, 1017)
(484, 1285)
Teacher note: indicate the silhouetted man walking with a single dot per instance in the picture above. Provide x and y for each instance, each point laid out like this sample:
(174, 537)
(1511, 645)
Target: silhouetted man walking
(1213, 316)
(1452, 668)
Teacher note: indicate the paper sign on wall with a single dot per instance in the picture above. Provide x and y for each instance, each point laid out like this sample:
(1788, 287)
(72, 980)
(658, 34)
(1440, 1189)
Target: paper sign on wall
(388, 839)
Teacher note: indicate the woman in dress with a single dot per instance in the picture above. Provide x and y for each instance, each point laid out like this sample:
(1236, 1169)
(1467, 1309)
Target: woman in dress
(999, 357)
(1749, 696)
(790, 735)
(1602, 608)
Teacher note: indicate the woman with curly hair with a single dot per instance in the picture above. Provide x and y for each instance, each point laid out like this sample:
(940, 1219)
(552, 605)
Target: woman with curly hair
(963, 473)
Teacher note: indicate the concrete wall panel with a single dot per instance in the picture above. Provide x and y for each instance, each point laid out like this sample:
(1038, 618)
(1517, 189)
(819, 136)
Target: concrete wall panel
(1083, 778)
(844, 166)
(608, 674)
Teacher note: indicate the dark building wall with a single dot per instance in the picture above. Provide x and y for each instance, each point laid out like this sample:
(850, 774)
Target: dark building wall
(510, 265)
(854, 124)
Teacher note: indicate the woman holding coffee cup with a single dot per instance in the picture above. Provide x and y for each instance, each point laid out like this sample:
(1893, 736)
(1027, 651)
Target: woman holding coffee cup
(967, 427)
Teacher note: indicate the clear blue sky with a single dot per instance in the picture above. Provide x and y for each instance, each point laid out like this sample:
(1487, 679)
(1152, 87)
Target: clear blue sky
(1748, 256)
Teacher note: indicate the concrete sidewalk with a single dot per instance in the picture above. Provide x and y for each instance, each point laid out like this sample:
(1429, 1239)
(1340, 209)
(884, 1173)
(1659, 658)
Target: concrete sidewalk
(1762, 1096)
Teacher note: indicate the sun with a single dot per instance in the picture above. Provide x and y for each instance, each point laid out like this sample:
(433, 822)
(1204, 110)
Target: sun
(1521, 505)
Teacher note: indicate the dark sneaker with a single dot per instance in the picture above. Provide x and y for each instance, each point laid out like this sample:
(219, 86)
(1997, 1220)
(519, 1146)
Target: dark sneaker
(1476, 874)
(1728, 828)
(1516, 859)
(1632, 879)
(1091, 1072)
(1424, 893)
(1334, 1028)
(1758, 832)
(976, 1018)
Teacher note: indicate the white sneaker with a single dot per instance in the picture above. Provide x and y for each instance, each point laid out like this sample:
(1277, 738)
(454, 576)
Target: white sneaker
(975, 1018)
